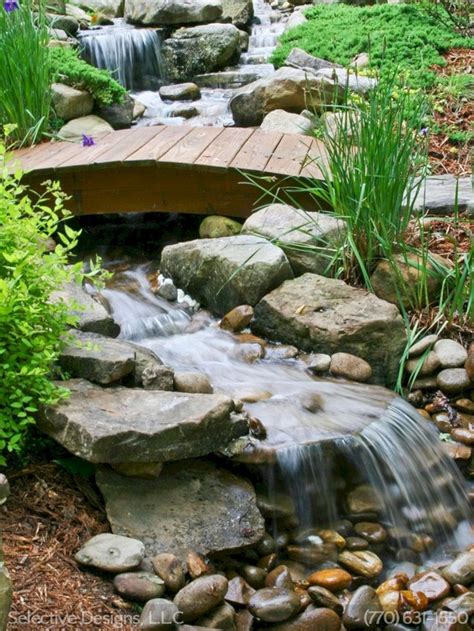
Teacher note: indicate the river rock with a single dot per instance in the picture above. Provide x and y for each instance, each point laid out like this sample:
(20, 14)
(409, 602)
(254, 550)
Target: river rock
(354, 82)
(237, 319)
(451, 354)
(149, 371)
(318, 363)
(287, 123)
(469, 365)
(422, 345)
(327, 315)
(297, 18)
(200, 49)
(70, 103)
(200, 596)
(238, 12)
(180, 92)
(172, 12)
(239, 592)
(280, 577)
(463, 605)
(429, 365)
(431, 584)
(216, 226)
(374, 533)
(129, 425)
(322, 597)
(140, 586)
(453, 380)
(227, 272)
(294, 229)
(91, 316)
(159, 614)
(350, 367)
(363, 606)
(208, 509)
(222, 617)
(333, 579)
(288, 89)
(363, 562)
(170, 569)
(274, 604)
(363, 499)
(111, 553)
(110, 8)
(97, 358)
(312, 619)
(192, 381)
(461, 570)
(90, 125)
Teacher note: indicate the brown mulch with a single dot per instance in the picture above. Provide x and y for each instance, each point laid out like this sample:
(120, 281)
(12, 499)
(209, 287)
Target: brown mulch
(44, 522)
(448, 156)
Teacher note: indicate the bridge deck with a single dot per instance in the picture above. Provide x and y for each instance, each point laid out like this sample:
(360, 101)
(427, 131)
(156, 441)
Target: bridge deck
(171, 168)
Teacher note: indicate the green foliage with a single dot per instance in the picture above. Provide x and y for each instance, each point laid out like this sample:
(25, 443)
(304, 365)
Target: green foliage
(31, 325)
(398, 37)
(25, 96)
(68, 68)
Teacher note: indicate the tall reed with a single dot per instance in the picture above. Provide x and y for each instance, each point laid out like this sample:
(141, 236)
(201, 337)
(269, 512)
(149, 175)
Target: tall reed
(25, 95)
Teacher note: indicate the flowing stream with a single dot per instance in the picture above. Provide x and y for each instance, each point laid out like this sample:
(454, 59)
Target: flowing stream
(315, 428)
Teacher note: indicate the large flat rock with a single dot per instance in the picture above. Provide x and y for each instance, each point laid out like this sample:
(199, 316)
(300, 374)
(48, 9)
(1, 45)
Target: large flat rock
(443, 194)
(226, 272)
(120, 425)
(192, 506)
(325, 315)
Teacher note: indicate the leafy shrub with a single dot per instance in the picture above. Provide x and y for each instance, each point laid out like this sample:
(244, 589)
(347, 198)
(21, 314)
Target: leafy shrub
(31, 325)
(68, 68)
(398, 37)
(25, 96)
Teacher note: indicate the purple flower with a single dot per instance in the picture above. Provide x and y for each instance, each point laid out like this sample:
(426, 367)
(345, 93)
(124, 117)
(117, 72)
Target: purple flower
(424, 131)
(87, 141)
(10, 5)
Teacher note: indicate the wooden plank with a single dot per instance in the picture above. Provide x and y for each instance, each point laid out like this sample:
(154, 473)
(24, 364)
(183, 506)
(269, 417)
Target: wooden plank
(39, 158)
(315, 157)
(128, 145)
(151, 151)
(288, 158)
(88, 156)
(187, 150)
(257, 151)
(224, 148)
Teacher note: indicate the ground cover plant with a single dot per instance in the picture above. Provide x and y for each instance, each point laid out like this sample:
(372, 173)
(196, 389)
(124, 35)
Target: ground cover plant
(402, 37)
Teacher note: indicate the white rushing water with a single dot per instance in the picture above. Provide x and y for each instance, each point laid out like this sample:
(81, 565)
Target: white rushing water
(312, 425)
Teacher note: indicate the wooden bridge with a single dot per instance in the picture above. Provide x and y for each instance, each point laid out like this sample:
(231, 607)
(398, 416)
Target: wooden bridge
(184, 169)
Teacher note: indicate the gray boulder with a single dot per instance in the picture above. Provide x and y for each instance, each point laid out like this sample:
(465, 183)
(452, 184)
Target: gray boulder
(289, 89)
(109, 8)
(325, 315)
(287, 123)
(226, 272)
(298, 58)
(90, 125)
(192, 506)
(92, 316)
(353, 82)
(119, 425)
(70, 103)
(237, 12)
(297, 18)
(111, 553)
(118, 115)
(294, 228)
(172, 12)
(200, 49)
(442, 194)
(180, 92)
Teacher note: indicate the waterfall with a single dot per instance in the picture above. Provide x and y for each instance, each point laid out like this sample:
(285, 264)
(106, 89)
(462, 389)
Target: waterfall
(133, 55)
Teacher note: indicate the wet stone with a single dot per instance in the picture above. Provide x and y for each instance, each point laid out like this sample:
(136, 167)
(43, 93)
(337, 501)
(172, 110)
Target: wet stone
(335, 580)
(463, 435)
(312, 619)
(200, 596)
(140, 586)
(363, 499)
(428, 366)
(322, 597)
(463, 605)
(237, 319)
(197, 565)
(170, 569)
(266, 545)
(239, 592)
(274, 604)
(431, 584)
(255, 576)
(465, 405)
(461, 570)
(373, 532)
(280, 577)
(243, 620)
(159, 614)
(363, 562)
(319, 363)
(111, 553)
(350, 367)
(191, 381)
(277, 506)
(356, 543)
(364, 602)
(422, 345)
(268, 562)
(222, 617)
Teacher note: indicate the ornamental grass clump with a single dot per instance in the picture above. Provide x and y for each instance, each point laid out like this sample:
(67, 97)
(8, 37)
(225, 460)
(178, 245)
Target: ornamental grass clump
(32, 326)
(25, 95)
